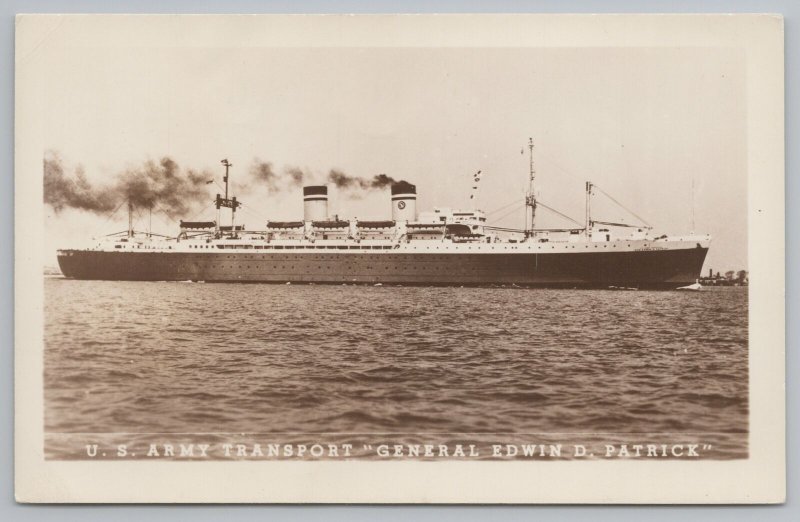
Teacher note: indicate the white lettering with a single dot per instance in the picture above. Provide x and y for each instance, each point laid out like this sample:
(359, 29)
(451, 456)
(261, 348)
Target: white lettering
(317, 450)
(528, 450)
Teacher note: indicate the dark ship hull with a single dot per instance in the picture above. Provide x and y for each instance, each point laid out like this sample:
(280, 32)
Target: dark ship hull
(666, 268)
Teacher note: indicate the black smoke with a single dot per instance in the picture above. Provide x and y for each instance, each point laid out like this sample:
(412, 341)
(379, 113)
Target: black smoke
(263, 172)
(166, 187)
(297, 175)
(158, 185)
(382, 180)
(62, 190)
(343, 181)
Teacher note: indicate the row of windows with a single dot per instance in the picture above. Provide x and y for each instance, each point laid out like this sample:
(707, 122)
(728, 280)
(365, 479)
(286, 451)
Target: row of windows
(368, 267)
(291, 247)
(350, 247)
(140, 246)
(359, 247)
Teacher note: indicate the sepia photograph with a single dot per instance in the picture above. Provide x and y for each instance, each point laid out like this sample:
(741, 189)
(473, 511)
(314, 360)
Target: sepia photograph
(349, 245)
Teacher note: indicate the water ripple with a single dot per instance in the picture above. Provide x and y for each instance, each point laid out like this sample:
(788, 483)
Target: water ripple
(155, 357)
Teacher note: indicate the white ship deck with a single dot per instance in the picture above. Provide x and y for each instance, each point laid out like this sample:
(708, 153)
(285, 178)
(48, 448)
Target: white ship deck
(248, 245)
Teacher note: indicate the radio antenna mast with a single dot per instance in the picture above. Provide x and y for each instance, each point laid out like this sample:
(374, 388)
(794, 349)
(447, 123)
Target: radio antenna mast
(230, 203)
(530, 197)
(588, 229)
(130, 217)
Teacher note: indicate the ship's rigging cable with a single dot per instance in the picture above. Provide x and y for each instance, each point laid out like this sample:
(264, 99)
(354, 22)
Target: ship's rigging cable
(171, 221)
(513, 210)
(116, 233)
(505, 229)
(194, 218)
(246, 208)
(166, 214)
(559, 167)
(125, 232)
(160, 214)
(609, 196)
(543, 205)
(573, 176)
(551, 209)
(108, 218)
(504, 207)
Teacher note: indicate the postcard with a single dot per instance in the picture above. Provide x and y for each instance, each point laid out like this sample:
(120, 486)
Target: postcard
(400, 258)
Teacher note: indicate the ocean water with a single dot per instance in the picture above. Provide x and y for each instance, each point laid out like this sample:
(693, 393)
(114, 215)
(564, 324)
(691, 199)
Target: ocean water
(172, 363)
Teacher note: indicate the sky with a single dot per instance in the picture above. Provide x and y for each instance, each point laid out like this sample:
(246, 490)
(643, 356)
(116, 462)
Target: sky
(663, 130)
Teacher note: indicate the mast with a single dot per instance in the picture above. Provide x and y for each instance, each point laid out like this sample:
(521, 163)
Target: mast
(226, 202)
(234, 204)
(217, 221)
(130, 218)
(588, 228)
(530, 197)
(227, 164)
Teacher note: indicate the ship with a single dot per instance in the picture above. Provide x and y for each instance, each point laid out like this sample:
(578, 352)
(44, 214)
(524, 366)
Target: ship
(440, 247)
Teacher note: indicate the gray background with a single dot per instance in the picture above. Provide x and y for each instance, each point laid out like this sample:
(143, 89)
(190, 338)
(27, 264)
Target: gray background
(9, 510)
